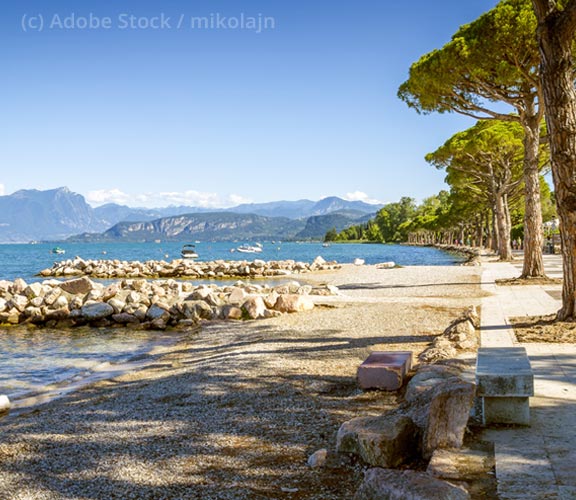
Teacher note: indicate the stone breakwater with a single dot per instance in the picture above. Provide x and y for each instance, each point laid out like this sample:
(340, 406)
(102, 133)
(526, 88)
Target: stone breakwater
(139, 303)
(184, 268)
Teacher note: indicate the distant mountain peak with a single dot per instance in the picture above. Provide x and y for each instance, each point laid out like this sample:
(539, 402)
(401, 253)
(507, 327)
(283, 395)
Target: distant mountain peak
(32, 214)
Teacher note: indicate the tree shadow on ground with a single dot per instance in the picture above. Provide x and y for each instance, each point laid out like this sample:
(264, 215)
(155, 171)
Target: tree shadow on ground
(213, 430)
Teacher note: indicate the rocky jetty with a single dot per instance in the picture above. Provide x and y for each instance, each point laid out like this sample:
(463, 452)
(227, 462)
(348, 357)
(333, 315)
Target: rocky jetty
(184, 268)
(139, 303)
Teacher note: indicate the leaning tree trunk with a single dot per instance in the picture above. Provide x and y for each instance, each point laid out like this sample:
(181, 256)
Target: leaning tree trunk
(557, 76)
(503, 228)
(533, 235)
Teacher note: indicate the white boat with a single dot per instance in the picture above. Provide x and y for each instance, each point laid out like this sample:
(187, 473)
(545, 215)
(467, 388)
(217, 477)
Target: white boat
(58, 250)
(250, 248)
(189, 252)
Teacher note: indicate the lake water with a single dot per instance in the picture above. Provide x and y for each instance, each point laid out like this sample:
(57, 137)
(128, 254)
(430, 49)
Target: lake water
(32, 360)
(25, 261)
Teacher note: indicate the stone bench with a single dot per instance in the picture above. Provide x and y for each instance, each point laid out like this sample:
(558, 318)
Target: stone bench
(385, 370)
(504, 384)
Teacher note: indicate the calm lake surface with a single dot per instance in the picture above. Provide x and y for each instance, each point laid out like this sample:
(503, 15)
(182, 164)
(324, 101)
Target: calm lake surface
(25, 261)
(32, 360)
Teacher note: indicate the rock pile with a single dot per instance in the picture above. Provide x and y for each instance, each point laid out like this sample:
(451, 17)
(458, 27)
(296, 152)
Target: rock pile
(146, 304)
(433, 416)
(184, 268)
(461, 335)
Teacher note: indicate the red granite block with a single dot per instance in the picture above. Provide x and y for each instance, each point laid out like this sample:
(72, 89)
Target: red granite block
(385, 370)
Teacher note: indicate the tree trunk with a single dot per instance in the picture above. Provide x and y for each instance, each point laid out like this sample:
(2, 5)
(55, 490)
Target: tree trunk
(488, 232)
(557, 76)
(503, 227)
(479, 231)
(495, 236)
(533, 232)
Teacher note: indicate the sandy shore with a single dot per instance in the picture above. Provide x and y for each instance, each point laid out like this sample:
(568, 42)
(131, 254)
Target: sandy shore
(234, 411)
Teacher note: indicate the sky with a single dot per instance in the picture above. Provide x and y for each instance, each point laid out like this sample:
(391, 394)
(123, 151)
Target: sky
(218, 102)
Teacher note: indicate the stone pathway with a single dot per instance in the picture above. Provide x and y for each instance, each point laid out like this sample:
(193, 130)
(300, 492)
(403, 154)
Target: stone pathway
(536, 462)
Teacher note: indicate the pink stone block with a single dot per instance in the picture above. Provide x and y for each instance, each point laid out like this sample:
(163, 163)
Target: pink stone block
(385, 370)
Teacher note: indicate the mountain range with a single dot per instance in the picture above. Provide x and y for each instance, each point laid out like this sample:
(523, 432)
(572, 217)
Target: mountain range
(58, 214)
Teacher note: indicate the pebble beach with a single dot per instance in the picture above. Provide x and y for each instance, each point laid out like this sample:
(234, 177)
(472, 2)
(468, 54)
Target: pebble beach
(235, 409)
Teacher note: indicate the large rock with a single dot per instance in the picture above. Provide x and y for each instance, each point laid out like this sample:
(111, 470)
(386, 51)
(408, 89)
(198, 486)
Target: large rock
(52, 295)
(34, 290)
(196, 309)
(18, 302)
(125, 318)
(158, 311)
(428, 377)
(386, 484)
(18, 286)
(78, 286)
(34, 314)
(237, 296)
(385, 441)
(230, 312)
(96, 310)
(13, 316)
(441, 349)
(57, 314)
(117, 304)
(442, 414)
(254, 307)
(291, 303)
(318, 261)
(270, 299)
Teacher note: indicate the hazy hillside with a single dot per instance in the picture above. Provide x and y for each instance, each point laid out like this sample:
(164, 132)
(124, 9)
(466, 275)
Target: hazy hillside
(221, 226)
(36, 215)
(57, 214)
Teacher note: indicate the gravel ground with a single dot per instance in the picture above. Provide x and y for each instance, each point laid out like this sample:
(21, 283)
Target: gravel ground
(234, 411)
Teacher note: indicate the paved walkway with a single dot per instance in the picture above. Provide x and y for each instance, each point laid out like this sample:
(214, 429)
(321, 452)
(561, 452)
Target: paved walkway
(536, 462)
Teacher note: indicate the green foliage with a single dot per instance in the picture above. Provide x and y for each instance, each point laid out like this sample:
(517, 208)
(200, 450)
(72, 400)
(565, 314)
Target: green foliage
(391, 218)
(387, 226)
(331, 235)
(484, 161)
(493, 59)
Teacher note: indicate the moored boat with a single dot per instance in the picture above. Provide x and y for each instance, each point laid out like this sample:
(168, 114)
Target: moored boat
(257, 248)
(189, 252)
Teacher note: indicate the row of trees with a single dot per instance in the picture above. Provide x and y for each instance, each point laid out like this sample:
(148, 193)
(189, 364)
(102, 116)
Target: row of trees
(463, 214)
(492, 62)
(387, 225)
(518, 55)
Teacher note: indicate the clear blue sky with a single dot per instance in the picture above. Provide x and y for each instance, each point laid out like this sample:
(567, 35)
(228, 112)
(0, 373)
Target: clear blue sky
(305, 109)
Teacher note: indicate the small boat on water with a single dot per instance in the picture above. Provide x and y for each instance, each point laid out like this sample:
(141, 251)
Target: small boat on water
(189, 252)
(257, 248)
(58, 250)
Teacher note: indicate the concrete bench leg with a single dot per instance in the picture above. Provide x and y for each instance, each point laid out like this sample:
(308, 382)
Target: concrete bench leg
(506, 410)
(505, 382)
